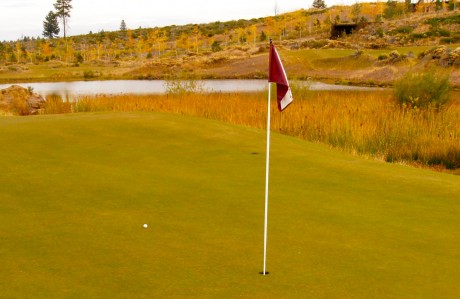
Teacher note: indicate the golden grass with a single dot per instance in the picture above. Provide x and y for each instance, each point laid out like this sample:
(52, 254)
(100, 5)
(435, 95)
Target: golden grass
(55, 105)
(367, 123)
(370, 123)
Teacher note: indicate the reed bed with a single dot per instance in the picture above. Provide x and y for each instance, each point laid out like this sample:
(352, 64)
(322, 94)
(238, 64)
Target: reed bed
(367, 123)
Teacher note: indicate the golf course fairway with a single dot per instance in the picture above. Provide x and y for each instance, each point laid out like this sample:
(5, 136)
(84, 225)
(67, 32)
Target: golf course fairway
(77, 189)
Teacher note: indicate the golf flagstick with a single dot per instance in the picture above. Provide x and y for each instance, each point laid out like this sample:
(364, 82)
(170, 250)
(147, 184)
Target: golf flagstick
(267, 172)
(277, 75)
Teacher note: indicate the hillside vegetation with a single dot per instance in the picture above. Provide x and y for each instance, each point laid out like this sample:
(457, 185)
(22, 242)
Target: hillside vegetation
(386, 43)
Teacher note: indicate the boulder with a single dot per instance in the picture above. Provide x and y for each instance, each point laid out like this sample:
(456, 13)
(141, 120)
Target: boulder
(20, 100)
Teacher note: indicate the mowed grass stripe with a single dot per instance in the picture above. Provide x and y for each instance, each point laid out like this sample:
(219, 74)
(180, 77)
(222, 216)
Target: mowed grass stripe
(76, 189)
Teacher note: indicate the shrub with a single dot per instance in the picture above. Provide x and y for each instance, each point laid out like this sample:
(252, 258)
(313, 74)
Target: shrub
(19, 106)
(438, 32)
(88, 75)
(450, 40)
(405, 29)
(78, 57)
(314, 44)
(179, 87)
(401, 30)
(216, 46)
(423, 90)
(415, 36)
(453, 19)
(394, 55)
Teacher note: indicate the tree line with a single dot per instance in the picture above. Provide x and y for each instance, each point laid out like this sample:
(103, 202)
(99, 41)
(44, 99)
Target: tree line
(173, 41)
(145, 43)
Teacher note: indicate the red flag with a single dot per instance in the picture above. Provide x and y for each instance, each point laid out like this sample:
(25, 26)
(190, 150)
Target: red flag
(277, 75)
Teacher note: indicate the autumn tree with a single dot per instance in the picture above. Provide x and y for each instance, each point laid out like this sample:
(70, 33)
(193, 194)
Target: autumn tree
(63, 8)
(183, 41)
(356, 11)
(51, 25)
(196, 35)
(241, 35)
(253, 33)
(161, 42)
(46, 49)
(18, 53)
(392, 10)
(269, 23)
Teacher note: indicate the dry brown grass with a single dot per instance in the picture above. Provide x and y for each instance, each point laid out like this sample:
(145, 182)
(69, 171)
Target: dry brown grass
(367, 123)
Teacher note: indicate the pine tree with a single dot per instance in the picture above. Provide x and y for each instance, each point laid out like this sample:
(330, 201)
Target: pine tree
(51, 25)
(63, 8)
(123, 26)
(320, 4)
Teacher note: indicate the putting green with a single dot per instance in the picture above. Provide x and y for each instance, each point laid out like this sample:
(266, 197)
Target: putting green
(76, 189)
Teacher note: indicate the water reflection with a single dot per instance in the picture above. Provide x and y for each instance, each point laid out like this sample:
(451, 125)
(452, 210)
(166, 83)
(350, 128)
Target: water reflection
(70, 90)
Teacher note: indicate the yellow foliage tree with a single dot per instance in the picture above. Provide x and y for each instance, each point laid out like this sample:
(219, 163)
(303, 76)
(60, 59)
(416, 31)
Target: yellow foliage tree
(183, 42)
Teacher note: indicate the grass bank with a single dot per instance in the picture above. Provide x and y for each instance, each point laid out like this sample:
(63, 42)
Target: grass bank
(77, 188)
(367, 123)
(56, 71)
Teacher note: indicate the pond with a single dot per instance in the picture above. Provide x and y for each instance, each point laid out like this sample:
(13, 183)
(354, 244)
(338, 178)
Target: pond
(81, 88)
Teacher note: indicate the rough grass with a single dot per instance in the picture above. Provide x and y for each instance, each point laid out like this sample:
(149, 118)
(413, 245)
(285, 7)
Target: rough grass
(345, 63)
(49, 72)
(77, 188)
(423, 90)
(368, 123)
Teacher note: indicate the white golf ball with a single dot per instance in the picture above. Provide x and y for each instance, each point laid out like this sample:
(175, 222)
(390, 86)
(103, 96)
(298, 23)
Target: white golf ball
(145, 225)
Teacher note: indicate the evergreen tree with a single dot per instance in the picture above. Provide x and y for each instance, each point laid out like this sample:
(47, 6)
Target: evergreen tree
(123, 26)
(51, 25)
(320, 4)
(63, 8)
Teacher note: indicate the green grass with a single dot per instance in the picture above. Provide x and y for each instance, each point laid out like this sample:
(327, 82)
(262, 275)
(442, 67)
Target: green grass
(415, 50)
(76, 189)
(50, 71)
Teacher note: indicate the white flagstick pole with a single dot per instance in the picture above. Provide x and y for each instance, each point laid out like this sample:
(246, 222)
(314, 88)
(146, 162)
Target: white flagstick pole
(266, 184)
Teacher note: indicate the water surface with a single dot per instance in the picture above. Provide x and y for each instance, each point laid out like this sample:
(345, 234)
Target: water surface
(82, 88)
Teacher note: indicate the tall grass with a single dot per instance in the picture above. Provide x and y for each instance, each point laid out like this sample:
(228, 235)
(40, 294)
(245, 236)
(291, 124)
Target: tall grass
(430, 88)
(367, 123)
(370, 123)
(55, 105)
